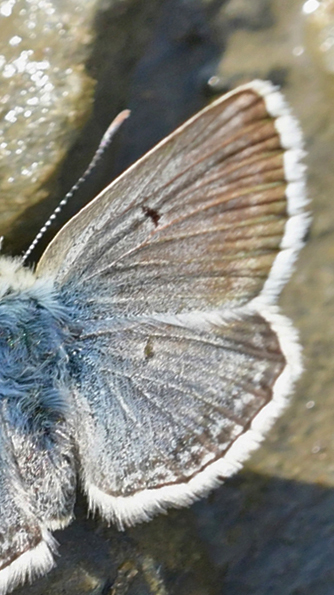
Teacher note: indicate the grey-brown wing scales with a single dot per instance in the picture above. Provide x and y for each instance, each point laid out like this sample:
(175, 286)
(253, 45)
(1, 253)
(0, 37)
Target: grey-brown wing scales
(159, 403)
(196, 224)
(47, 470)
(37, 487)
(25, 545)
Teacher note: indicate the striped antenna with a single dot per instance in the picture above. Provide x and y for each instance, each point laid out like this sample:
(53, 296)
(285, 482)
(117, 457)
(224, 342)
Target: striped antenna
(106, 139)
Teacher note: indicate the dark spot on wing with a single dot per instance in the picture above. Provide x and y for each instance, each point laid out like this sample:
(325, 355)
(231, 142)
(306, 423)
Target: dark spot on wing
(148, 349)
(152, 214)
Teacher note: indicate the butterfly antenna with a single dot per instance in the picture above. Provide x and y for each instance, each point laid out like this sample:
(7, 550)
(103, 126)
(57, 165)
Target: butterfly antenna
(106, 139)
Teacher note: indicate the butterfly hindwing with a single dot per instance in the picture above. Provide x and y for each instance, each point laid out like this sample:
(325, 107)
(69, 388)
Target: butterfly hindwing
(159, 403)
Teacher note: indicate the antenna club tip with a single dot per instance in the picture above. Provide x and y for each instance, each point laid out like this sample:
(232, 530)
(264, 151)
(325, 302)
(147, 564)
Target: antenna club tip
(116, 123)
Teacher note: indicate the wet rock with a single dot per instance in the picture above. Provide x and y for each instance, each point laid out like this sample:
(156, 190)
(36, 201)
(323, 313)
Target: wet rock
(248, 15)
(319, 17)
(45, 94)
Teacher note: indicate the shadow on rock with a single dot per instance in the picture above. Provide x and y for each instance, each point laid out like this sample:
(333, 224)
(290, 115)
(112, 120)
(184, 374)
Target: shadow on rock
(253, 536)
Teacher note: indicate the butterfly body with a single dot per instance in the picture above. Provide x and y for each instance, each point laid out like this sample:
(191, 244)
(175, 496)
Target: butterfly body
(146, 356)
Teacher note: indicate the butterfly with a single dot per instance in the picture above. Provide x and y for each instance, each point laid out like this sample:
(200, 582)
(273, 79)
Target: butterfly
(145, 357)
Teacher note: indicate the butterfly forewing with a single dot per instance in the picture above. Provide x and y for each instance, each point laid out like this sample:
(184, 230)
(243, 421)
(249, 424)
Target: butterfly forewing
(196, 224)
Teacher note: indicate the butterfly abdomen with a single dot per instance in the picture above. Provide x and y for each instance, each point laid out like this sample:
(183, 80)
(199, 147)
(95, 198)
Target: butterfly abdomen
(35, 403)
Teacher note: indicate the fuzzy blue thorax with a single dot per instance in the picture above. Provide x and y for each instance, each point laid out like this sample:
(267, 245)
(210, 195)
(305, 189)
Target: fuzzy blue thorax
(33, 359)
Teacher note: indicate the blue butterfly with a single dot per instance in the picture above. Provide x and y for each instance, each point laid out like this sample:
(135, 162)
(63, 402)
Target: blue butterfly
(145, 357)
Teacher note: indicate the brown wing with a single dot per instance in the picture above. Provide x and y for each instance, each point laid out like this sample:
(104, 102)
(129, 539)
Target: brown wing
(163, 407)
(198, 222)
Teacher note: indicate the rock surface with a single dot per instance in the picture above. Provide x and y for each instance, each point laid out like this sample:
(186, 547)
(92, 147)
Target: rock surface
(45, 94)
